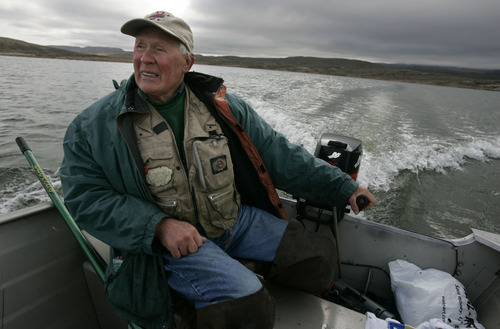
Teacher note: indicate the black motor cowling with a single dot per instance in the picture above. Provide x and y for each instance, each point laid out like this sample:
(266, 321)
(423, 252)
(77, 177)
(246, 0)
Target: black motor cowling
(340, 151)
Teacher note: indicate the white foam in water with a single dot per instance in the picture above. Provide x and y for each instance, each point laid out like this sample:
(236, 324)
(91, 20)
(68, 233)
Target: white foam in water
(414, 153)
(28, 194)
(418, 155)
(289, 126)
(490, 149)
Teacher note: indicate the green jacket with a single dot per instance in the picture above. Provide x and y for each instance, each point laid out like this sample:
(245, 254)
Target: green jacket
(104, 184)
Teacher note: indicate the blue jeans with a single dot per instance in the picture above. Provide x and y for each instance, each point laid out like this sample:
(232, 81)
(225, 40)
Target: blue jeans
(212, 275)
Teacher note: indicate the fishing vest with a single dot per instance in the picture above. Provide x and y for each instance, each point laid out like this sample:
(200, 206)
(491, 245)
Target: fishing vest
(200, 188)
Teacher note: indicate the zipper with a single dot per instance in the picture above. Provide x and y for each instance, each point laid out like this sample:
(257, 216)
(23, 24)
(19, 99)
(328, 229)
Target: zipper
(198, 166)
(215, 196)
(170, 203)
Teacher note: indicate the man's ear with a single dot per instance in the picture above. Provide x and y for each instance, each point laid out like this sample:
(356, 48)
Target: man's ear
(189, 62)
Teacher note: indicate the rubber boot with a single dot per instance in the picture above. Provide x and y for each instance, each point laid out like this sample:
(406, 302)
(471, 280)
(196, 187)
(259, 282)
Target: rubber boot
(305, 260)
(255, 311)
(185, 316)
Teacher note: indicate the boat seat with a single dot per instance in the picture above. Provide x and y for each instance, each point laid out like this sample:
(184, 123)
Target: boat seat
(100, 247)
(105, 314)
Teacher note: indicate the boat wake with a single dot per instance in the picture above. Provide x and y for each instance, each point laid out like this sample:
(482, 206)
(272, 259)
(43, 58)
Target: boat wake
(19, 188)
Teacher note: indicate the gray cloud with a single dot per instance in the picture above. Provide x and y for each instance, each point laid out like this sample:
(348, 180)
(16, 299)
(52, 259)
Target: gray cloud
(444, 32)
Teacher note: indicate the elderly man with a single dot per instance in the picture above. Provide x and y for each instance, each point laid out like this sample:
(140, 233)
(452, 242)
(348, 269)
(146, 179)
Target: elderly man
(179, 178)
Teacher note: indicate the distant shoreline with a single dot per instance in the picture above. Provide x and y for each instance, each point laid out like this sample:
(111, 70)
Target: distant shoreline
(437, 76)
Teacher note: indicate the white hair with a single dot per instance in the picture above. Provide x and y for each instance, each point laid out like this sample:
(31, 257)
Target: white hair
(189, 56)
(183, 49)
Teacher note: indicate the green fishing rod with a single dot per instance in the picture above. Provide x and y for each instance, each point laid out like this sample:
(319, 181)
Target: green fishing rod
(89, 252)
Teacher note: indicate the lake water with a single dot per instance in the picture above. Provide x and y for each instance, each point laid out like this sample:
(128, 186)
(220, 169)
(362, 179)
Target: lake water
(431, 155)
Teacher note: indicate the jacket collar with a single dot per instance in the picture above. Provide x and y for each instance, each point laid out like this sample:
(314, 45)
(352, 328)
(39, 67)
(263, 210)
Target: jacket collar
(196, 81)
(203, 82)
(133, 101)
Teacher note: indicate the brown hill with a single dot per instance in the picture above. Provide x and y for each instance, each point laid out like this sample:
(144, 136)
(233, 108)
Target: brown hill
(444, 76)
(13, 47)
(435, 75)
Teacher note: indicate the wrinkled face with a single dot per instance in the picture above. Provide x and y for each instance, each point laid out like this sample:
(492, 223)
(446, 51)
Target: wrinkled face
(159, 66)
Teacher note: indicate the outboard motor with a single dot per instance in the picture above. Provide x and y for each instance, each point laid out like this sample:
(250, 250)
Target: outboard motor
(340, 151)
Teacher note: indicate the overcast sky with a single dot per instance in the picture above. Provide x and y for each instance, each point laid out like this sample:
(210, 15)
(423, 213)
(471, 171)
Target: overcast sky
(443, 32)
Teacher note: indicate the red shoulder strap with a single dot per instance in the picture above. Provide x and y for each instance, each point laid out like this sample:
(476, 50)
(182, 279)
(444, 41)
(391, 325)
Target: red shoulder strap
(251, 150)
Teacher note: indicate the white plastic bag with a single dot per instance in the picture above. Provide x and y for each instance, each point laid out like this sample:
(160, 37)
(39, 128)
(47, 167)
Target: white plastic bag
(372, 322)
(423, 295)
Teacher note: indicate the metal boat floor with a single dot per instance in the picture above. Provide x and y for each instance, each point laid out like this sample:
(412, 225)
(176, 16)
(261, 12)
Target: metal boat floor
(296, 309)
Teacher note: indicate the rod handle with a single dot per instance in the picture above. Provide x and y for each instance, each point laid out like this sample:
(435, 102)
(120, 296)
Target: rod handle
(22, 144)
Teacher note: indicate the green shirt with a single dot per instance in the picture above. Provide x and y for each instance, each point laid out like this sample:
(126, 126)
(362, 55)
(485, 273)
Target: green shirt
(173, 112)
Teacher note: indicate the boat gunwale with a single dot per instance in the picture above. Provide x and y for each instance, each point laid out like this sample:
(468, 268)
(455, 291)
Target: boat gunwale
(28, 211)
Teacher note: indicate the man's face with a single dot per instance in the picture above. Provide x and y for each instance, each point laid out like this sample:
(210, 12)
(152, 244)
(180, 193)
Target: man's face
(159, 66)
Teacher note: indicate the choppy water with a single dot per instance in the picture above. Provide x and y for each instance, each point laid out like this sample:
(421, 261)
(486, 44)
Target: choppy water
(431, 154)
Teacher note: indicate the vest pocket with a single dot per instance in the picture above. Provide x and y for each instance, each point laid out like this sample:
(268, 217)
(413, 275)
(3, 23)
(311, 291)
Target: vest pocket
(217, 198)
(222, 210)
(160, 173)
(158, 165)
(214, 168)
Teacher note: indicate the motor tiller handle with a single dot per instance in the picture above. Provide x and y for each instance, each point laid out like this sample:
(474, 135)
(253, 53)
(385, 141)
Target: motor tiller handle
(362, 202)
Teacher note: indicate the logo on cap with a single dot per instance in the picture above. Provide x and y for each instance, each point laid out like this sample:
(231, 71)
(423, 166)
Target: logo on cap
(156, 16)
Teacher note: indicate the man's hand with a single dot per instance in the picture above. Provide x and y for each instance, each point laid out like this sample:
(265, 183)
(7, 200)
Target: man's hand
(180, 238)
(361, 190)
